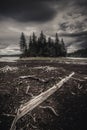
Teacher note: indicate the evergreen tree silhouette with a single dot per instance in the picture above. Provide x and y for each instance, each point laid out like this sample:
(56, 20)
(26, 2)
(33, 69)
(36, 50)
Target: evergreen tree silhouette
(51, 47)
(42, 47)
(57, 45)
(33, 45)
(30, 47)
(34, 42)
(63, 48)
(23, 45)
(42, 44)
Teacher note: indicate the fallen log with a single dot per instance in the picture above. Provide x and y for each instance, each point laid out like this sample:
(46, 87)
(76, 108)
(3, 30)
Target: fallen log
(33, 77)
(30, 105)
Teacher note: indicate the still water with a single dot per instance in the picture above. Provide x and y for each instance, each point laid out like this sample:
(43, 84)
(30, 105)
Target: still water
(8, 59)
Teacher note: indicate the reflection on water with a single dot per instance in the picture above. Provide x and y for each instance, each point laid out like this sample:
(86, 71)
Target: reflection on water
(78, 58)
(8, 59)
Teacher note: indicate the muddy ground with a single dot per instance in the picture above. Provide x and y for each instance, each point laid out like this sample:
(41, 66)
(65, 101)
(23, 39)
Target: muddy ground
(69, 102)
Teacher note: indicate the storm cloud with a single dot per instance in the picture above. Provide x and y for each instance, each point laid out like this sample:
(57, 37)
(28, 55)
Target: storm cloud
(39, 10)
(27, 10)
(67, 17)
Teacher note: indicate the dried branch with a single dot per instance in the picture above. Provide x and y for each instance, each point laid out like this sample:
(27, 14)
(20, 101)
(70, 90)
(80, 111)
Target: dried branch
(80, 86)
(49, 108)
(27, 89)
(81, 80)
(46, 80)
(8, 115)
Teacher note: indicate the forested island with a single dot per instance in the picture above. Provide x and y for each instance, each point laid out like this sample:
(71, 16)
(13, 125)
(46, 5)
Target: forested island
(42, 46)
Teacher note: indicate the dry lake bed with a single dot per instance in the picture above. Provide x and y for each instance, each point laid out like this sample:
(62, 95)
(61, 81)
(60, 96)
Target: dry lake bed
(24, 79)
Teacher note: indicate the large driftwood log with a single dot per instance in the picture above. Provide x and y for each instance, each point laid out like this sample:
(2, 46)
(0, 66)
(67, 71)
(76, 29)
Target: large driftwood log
(30, 105)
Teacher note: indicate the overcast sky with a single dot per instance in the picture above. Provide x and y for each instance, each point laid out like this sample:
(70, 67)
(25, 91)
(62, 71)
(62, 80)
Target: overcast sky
(67, 17)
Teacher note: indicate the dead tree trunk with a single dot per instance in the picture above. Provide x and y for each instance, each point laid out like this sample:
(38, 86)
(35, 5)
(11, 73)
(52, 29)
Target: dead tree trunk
(30, 105)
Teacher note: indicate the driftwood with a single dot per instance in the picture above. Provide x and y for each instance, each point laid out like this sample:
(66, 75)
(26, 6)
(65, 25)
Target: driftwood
(81, 80)
(82, 76)
(30, 105)
(49, 108)
(33, 77)
(8, 115)
(80, 86)
(27, 89)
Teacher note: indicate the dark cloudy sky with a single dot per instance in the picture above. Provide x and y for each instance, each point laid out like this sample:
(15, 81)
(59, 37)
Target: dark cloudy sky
(67, 17)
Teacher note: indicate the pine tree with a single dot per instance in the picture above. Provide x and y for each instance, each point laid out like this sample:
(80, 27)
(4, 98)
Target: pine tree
(34, 42)
(42, 44)
(56, 38)
(57, 45)
(34, 38)
(30, 46)
(23, 45)
(42, 38)
(33, 45)
(49, 41)
(51, 47)
(63, 48)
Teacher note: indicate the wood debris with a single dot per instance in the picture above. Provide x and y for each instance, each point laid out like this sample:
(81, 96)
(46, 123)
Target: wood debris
(33, 103)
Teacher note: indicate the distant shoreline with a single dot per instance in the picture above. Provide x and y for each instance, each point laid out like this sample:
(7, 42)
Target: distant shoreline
(16, 55)
(60, 60)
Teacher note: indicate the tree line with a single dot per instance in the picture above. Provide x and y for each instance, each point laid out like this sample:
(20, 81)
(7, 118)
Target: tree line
(79, 53)
(41, 46)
